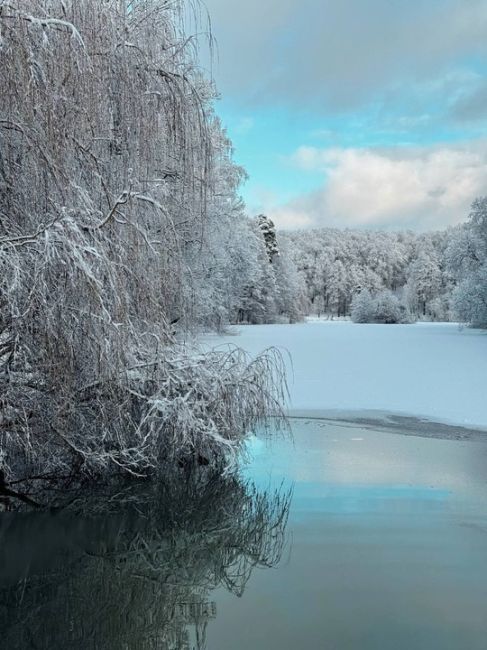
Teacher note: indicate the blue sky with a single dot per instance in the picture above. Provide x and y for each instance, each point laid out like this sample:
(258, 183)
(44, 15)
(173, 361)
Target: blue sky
(356, 113)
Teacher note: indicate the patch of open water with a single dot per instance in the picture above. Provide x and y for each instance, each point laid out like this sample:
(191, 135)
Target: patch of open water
(387, 545)
(382, 546)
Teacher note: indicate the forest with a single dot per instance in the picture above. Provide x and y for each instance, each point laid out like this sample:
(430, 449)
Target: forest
(123, 234)
(435, 276)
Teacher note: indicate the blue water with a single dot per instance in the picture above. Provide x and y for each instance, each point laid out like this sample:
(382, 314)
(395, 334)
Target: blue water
(382, 546)
(387, 546)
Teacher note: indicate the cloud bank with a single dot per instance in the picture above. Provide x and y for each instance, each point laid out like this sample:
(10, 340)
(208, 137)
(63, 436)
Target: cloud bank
(422, 188)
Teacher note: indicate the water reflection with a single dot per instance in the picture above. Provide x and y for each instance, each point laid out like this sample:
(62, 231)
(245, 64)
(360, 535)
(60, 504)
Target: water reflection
(134, 570)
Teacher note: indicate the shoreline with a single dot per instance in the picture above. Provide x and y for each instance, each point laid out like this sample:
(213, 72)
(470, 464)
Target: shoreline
(394, 422)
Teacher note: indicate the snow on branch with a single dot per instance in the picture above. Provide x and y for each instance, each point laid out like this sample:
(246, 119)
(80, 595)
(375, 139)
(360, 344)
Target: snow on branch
(44, 22)
(22, 240)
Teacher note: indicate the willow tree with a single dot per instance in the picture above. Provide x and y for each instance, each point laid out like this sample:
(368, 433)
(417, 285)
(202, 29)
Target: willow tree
(108, 166)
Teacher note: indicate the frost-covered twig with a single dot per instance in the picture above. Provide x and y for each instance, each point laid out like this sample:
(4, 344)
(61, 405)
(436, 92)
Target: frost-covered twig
(42, 22)
(27, 239)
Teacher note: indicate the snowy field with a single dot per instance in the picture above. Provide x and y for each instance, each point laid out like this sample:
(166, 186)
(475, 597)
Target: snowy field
(432, 370)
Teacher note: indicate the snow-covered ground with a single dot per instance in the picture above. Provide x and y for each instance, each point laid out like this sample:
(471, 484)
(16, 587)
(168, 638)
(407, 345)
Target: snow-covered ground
(433, 370)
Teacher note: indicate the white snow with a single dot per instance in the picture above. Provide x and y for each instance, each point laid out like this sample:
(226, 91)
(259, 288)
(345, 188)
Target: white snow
(432, 370)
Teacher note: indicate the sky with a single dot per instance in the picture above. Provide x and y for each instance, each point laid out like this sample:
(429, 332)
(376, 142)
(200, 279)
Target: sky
(355, 113)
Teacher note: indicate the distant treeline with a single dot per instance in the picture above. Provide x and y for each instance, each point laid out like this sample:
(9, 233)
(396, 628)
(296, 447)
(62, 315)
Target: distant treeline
(433, 276)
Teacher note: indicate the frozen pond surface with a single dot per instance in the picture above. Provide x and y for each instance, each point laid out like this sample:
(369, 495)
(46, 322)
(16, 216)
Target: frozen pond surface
(436, 370)
(387, 546)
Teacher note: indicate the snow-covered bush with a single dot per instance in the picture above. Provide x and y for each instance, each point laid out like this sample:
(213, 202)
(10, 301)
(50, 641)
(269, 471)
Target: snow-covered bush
(388, 309)
(384, 307)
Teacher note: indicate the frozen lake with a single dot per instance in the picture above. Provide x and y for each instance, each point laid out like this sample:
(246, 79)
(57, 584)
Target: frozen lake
(433, 370)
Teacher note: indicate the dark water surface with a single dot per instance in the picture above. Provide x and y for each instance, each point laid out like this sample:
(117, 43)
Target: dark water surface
(383, 546)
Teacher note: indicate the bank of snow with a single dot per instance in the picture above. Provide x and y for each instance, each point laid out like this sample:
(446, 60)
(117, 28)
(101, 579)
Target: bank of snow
(434, 370)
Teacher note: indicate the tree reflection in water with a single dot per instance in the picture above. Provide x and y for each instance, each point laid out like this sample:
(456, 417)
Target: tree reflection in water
(134, 570)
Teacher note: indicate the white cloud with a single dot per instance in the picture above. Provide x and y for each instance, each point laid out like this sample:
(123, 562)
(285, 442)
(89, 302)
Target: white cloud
(420, 188)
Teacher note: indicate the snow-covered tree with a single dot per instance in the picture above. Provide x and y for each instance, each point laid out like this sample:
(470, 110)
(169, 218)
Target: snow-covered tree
(470, 298)
(269, 233)
(425, 280)
(119, 225)
(467, 258)
(291, 289)
(363, 307)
